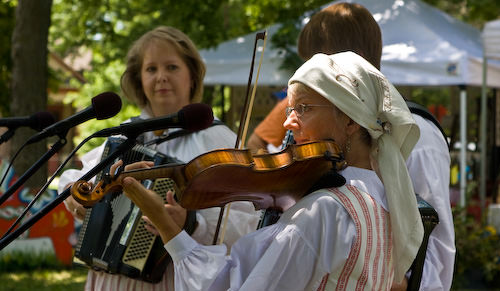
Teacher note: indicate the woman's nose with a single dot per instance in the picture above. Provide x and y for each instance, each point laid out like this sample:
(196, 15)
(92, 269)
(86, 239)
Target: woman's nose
(162, 76)
(291, 121)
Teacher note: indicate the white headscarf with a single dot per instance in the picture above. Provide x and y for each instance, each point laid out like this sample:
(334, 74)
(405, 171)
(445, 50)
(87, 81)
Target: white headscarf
(359, 90)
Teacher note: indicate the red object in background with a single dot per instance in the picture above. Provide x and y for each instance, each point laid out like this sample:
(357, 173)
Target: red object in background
(439, 111)
(57, 225)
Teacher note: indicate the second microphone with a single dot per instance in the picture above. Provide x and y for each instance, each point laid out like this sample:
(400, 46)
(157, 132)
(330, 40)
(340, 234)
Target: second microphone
(192, 117)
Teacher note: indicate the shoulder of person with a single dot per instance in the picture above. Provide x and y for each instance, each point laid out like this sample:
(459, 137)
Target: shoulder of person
(321, 202)
(217, 127)
(425, 120)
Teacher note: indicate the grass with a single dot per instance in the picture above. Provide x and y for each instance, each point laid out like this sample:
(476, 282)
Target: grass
(29, 271)
(44, 280)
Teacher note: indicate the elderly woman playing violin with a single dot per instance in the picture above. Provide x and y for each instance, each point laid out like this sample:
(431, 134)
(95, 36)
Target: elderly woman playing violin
(364, 234)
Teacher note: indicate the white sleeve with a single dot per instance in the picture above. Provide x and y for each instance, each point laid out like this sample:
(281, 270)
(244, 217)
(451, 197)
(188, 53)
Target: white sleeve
(243, 219)
(89, 160)
(429, 168)
(191, 260)
(252, 265)
(282, 256)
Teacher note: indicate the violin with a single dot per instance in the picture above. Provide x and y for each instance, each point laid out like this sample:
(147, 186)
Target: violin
(222, 176)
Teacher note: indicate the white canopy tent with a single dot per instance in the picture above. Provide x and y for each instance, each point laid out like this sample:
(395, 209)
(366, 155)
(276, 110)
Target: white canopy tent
(423, 46)
(229, 63)
(491, 39)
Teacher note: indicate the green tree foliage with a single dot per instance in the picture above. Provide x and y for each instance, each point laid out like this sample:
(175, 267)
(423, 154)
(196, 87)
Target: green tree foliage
(112, 25)
(474, 12)
(108, 28)
(97, 83)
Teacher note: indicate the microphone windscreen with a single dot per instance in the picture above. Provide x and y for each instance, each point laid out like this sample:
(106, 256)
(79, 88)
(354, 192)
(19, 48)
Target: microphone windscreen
(197, 116)
(41, 120)
(106, 105)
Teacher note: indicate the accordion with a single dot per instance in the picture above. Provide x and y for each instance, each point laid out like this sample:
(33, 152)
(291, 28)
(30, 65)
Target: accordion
(113, 238)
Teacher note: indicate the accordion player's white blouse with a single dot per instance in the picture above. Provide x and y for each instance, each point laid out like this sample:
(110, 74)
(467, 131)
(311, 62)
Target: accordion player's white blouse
(243, 218)
(429, 168)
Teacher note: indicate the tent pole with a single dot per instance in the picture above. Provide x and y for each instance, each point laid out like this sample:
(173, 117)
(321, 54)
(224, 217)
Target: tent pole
(482, 140)
(463, 143)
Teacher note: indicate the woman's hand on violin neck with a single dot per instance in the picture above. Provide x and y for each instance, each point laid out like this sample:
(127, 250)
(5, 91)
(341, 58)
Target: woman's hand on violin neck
(114, 167)
(152, 206)
(137, 165)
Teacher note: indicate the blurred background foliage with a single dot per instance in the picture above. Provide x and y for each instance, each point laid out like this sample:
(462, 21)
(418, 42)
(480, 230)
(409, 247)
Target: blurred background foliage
(7, 9)
(477, 262)
(108, 28)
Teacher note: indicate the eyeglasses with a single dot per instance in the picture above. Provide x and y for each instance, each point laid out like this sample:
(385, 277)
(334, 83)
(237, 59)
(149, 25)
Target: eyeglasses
(300, 109)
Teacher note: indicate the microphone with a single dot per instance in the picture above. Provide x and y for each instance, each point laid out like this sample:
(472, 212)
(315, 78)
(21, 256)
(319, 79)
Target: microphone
(192, 117)
(37, 121)
(104, 105)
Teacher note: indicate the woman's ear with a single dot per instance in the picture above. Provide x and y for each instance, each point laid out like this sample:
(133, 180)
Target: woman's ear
(352, 127)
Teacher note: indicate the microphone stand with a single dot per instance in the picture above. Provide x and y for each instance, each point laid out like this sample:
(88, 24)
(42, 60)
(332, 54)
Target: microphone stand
(123, 147)
(53, 150)
(7, 135)
(44, 187)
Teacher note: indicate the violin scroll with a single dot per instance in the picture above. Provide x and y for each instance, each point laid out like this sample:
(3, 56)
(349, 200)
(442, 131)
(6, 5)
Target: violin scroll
(84, 194)
(87, 196)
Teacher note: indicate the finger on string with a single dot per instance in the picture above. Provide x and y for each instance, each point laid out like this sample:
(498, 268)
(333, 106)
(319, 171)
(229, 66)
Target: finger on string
(112, 169)
(139, 165)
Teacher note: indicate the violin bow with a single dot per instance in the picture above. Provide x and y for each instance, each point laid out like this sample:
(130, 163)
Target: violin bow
(243, 128)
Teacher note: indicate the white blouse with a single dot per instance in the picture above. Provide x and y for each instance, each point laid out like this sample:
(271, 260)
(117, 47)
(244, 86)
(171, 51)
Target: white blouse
(429, 168)
(311, 239)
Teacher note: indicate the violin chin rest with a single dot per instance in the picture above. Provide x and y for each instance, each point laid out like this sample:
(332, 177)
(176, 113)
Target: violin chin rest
(330, 179)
